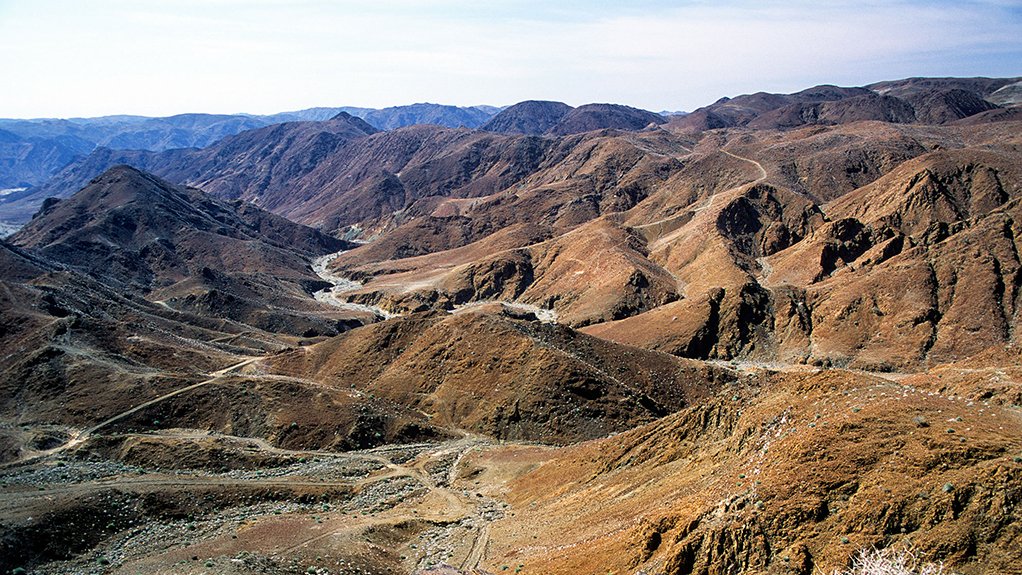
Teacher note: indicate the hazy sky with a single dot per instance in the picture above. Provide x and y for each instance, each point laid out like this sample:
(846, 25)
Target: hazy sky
(84, 58)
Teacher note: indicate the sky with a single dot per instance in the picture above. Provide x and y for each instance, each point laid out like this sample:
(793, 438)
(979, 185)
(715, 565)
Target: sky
(67, 58)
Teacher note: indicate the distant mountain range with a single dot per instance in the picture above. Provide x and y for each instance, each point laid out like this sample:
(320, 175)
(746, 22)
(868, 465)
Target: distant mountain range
(42, 158)
(753, 339)
(31, 151)
(275, 164)
(908, 101)
(555, 118)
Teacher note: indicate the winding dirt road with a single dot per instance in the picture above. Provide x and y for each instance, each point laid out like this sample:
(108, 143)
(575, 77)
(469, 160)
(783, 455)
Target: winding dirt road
(762, 171)
(81, 436)
(214, 377)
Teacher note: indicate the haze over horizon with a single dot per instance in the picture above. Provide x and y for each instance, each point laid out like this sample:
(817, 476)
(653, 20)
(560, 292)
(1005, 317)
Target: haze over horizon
(64, 59)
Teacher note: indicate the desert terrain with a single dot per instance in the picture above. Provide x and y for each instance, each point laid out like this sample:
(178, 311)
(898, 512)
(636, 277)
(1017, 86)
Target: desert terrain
(757, 338)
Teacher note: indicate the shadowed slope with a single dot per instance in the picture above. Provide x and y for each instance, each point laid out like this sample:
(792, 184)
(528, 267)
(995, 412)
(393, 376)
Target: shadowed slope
(483, 371)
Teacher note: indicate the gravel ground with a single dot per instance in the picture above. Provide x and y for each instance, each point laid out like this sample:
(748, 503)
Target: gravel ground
(127, 527)
(68, 472)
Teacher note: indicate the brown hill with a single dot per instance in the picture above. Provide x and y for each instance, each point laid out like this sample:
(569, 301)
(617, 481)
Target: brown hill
(75, 348)
(604, 116)
(559, 183)
(854, 109)
(944, 106)
(889, 283)
(506, 378)
(336, 185)
(910, 87)
(937, 188)
(995, 115)
(728, 257)
(919, 100)
(586, 290)
(384, 175)
(78, 354)
(532, 117)
(247, 165)
(178, 245)
(130, 226)
(265, 160)
(926, 107)
(791, 473)
(740, 110)
(944, 100)
(826, 162)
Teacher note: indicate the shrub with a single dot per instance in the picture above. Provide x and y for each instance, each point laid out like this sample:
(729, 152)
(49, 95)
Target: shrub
(892, 562)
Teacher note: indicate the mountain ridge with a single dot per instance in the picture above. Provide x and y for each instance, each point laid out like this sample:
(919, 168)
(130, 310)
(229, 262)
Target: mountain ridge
(61, 140)
(646, 347)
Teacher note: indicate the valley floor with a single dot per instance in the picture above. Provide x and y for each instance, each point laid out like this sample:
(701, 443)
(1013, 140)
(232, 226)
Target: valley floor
(755, 340)
(392, 509)
(195, 502)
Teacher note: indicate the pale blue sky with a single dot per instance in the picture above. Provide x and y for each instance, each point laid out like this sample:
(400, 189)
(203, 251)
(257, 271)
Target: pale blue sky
(75, 58)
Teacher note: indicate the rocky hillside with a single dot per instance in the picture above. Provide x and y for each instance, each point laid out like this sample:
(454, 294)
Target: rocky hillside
(756, 339)
(740, 484)
(604, 116)
(730, 256)
(243, 165)
(32, 151)
(532, 117)
(915, 100)
(128, 226)
(497, 371)
(137, 233)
